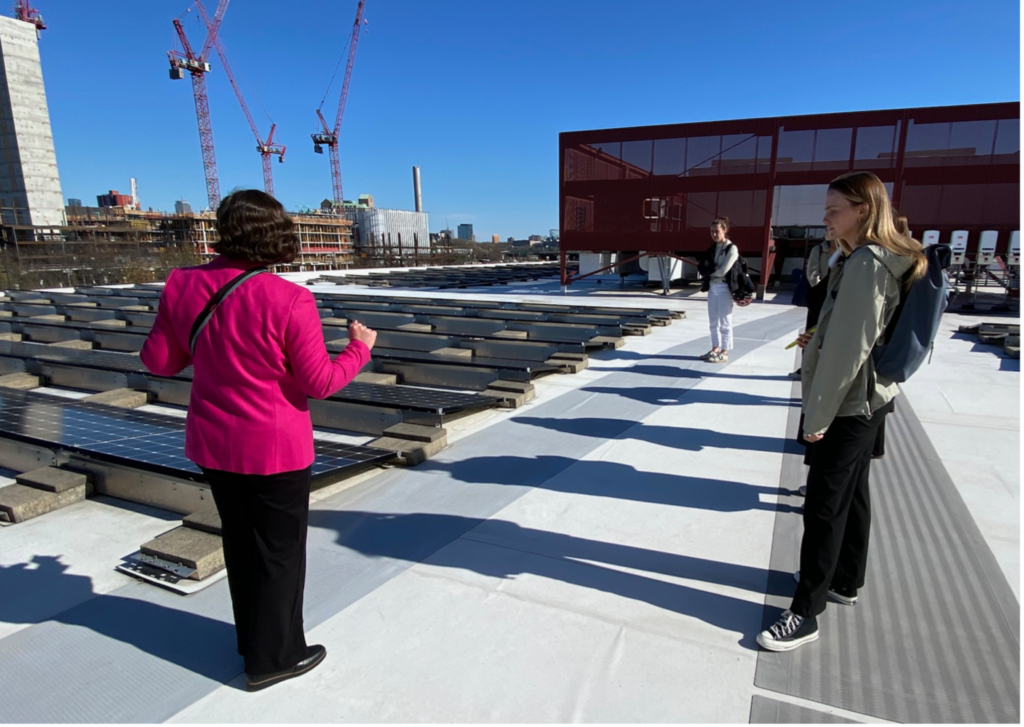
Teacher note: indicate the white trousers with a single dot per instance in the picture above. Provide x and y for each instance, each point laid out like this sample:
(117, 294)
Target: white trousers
(720, 316)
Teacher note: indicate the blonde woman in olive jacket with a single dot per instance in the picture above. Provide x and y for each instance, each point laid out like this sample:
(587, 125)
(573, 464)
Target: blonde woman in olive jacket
(845, 401)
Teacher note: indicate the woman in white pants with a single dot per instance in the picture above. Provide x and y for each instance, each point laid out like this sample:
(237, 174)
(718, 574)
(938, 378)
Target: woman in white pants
(724, 256)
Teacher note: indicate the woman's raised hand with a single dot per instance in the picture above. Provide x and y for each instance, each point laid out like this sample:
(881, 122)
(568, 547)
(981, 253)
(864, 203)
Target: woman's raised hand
(358, 332)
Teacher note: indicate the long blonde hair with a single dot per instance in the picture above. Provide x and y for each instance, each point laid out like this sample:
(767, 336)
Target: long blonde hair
(878, 225)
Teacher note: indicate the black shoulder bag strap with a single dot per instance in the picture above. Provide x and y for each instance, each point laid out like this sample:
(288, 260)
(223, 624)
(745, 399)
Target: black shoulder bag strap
(214, 303)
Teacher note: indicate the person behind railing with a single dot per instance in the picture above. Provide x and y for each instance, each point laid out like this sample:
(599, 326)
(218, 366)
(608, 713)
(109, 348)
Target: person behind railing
(257, 350)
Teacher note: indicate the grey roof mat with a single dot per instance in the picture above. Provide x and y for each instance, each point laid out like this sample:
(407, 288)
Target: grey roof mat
(764, 710)
(935, 634)
(141, 654)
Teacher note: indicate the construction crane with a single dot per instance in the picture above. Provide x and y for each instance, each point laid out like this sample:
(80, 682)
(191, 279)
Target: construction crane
(198, 67)
(24, 11)
(267, 148)
(329, 137)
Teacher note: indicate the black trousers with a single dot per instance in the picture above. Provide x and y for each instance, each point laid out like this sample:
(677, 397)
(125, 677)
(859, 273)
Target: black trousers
(264, 519)
(837, 511)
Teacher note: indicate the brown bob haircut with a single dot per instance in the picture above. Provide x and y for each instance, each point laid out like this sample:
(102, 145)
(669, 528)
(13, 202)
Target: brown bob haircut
(723, 221)
(253, 226)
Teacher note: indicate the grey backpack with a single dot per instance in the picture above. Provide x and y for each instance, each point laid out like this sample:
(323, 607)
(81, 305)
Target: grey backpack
(910, 335)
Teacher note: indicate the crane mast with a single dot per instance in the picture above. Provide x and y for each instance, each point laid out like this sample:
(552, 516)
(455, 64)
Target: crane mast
(197, 66)
(267, 148)
(329, 137)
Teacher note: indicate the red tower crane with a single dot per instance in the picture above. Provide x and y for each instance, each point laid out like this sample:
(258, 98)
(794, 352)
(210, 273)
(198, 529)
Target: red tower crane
(266, 148)
(329, 137)
(24, 11)
(198, 67)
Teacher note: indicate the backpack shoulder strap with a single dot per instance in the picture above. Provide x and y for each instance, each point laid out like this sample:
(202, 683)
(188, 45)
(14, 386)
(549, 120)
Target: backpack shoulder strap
(214, 303)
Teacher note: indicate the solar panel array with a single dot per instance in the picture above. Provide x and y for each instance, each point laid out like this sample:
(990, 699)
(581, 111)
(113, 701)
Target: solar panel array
(134, 438)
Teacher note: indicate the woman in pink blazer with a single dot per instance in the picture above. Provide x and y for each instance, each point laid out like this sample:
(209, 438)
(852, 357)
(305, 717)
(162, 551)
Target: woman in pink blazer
(257, 360)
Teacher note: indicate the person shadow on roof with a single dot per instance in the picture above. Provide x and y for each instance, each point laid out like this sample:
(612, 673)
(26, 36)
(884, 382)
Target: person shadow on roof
(43, 594)
(503, 549)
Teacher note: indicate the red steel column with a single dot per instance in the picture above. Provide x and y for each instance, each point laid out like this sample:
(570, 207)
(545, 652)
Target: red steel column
(767, 249)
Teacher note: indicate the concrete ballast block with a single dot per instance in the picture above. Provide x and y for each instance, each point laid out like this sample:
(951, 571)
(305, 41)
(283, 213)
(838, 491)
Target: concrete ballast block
(77, 344)
(448, 351)
(417, 433)
(207, 521)
(371, 377)
(409, 453)
(509, 399)
(53, 479)
(111, 323)
(569, 367)
(190, 547)
(21, 503)
(20, 381)
(122, 398)
(516, 387)
(607, 341)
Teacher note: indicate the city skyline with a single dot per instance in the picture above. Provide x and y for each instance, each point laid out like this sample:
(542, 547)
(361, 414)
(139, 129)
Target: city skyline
(481, 120)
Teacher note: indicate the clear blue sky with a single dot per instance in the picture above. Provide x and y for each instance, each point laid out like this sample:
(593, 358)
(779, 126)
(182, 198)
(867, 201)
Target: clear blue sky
(475, 92)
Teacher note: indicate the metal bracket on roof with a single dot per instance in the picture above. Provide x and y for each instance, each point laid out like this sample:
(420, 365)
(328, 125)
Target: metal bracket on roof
(177, 569)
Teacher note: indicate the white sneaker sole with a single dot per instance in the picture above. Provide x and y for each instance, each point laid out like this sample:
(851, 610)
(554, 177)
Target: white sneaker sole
(768, 644)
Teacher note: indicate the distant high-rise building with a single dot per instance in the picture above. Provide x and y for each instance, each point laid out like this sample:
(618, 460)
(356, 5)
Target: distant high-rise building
(495, 239)
(29, 179)
(72, 202)
(466, 232)
(181, 207)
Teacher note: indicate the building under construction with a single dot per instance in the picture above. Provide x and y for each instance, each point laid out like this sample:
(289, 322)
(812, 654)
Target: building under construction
(121, 244)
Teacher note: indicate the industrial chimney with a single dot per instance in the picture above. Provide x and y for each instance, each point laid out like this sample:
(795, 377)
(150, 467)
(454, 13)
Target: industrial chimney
(135, 194)
(416, 188)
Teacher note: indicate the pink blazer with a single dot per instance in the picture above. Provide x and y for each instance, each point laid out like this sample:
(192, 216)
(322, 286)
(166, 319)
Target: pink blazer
(259, 358)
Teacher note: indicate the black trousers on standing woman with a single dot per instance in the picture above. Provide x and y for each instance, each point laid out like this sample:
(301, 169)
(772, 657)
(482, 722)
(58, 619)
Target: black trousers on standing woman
(837, 511)
(264, 519)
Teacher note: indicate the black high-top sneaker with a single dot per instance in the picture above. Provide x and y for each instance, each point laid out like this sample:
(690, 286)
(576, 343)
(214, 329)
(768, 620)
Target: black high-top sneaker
(789, 632)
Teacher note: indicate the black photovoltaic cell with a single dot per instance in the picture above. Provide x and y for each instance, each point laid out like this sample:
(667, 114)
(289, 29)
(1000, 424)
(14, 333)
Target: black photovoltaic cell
(137, 439)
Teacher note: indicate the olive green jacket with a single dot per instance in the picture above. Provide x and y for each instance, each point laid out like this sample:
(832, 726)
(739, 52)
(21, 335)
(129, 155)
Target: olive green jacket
(837, 373)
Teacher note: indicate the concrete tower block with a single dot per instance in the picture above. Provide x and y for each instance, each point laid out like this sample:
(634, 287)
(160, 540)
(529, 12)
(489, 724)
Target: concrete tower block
(28, 167)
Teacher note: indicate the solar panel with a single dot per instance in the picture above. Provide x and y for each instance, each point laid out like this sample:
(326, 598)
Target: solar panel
(137, 439)
(413, 399)
(402, 397)
(476, 361)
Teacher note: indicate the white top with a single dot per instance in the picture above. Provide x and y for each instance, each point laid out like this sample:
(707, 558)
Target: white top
(726, 256)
